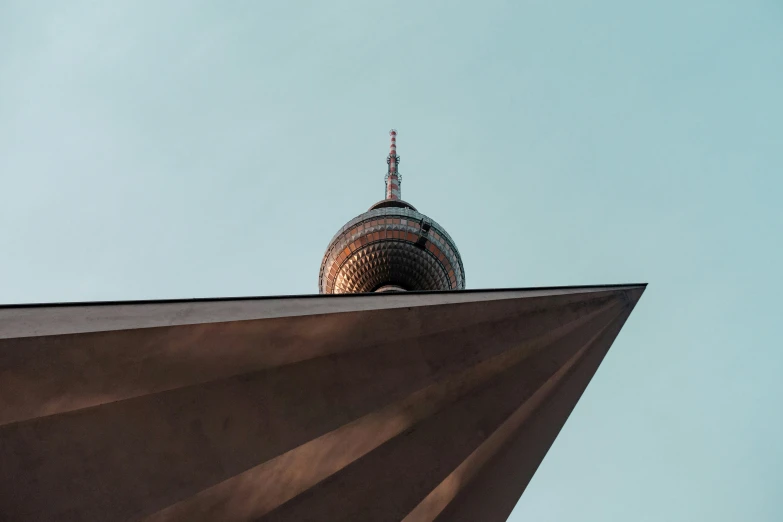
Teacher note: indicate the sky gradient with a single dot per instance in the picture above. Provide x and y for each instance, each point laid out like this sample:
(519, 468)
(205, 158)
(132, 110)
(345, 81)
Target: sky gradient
(182, 149)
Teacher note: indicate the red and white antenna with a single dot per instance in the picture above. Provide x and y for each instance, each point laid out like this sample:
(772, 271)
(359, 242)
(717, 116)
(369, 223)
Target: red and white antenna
(392, 175)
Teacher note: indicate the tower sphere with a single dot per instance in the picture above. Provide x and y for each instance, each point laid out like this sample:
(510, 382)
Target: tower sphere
(391, 247)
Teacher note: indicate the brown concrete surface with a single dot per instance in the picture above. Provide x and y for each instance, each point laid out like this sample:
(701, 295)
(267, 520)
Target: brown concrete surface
(387, 407)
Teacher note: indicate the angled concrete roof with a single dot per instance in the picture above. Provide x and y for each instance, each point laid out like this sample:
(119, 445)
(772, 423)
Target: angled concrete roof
(401, 406)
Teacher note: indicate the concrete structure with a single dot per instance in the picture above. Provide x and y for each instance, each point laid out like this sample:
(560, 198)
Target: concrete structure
(383, 407)
(401, 399)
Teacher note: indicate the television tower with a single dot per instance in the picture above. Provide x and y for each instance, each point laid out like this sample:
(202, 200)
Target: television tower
(391, 247)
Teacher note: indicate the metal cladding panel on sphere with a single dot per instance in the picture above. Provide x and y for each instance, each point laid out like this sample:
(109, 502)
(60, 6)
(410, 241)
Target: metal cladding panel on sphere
(391, 247)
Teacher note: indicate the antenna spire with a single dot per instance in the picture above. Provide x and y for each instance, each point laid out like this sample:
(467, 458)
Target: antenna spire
(392, 176)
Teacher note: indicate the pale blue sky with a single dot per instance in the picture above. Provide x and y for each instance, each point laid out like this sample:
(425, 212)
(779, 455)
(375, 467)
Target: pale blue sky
(182, 149)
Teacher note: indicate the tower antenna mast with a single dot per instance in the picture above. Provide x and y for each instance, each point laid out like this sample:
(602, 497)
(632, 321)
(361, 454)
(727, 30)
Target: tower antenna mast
(393, 179)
